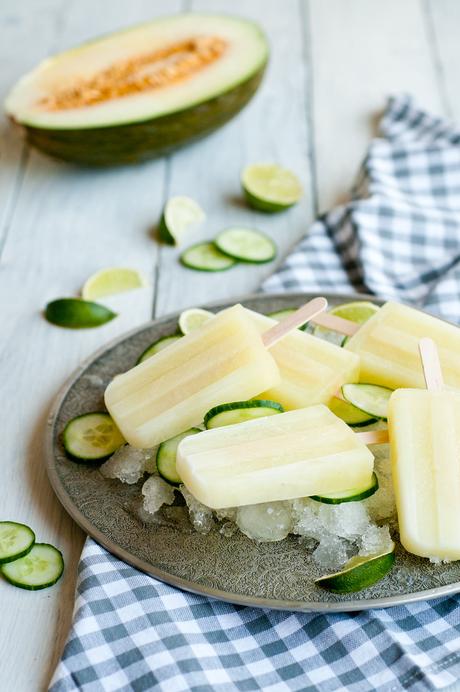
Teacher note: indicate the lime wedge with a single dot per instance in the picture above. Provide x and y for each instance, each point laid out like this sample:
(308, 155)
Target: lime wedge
(193, 318)
(270, 188)
(357, 311)
(108, 282)
(359, 572)
(74, 313)
(178, 215)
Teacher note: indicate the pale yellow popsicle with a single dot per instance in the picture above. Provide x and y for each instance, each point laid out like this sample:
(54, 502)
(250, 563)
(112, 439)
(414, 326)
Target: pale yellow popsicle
(312, 369)
(424, 429)
(387, 345)
(294, 454)
(224, 360)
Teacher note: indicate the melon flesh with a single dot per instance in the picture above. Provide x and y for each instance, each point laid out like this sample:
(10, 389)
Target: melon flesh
(140, 74)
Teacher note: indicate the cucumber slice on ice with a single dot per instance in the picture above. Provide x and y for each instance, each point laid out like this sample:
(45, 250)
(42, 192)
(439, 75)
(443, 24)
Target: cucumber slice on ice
(353, 495)
(166, 457)
(41, 567)
(246, 245)
(240, 411)
(370, 398)
(205, 257)
(350, 414)
(157, 346)
(91, 437)
(16, 540)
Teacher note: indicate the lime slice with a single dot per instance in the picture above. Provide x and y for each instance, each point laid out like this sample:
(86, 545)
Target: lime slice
(359, 572)
(357, 311)
(108, 282)
(205, 257)
(178, 215)
(270, 188)
(192, 319)
(74, 313)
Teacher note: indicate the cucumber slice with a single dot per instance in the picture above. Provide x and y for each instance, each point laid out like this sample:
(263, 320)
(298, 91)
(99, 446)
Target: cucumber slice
(166, 457)
(240, 411)
(205, 257)
(370, 398)
(353, 495)
(359, 572)
(350, 414)
(91, 437)
(16, 540)
(157, 346)
(246, 245)
(41, 567)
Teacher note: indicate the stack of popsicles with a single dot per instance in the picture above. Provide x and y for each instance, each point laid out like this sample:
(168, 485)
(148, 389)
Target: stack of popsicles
(307, 450)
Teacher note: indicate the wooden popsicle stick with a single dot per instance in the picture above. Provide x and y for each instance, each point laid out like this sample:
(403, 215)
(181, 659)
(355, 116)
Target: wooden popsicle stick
(337, 324)
(299, 317)
(431, 365)
(373, 437)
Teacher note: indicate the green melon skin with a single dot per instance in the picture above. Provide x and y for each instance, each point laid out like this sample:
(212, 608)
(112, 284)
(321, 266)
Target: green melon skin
(132, 143)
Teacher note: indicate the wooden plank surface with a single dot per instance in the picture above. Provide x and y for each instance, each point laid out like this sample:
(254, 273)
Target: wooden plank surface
(332, 66)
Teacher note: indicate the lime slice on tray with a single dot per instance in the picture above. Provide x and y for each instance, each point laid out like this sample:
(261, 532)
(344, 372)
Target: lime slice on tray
(269, 187)
(75, 313)
(108, 282)
(205, 257)
(178, 215)
(193, 318)
(357, 311)
(359, 572)
(246, 245)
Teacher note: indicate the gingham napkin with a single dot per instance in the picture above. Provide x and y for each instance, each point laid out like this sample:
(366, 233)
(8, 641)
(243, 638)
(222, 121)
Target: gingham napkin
(399, 238)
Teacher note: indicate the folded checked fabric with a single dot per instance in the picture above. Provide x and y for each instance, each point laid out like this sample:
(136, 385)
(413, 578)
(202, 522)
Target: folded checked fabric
(398, 238)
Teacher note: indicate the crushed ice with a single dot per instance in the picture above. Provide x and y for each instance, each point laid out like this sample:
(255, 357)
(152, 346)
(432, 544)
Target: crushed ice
(156, 493)
(129, 464)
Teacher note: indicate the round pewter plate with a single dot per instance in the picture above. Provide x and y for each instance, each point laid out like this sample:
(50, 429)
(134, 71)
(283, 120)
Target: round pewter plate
(269, 575)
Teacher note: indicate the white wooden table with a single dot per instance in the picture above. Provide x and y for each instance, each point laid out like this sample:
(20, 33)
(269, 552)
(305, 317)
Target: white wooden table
(333, 63)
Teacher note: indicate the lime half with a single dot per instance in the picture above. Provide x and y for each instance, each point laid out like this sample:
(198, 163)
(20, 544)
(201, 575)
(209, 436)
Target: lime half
(74, 313)
(269, 187)
(358, 311)
(359, 572)
(193, 318)
(108, 282)
(178, 215)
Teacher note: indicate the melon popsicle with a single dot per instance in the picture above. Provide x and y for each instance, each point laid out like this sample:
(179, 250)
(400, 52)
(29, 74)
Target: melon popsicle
(224, 360)
(311, 369)
(294, 454)
(387, 345)
(424, 428)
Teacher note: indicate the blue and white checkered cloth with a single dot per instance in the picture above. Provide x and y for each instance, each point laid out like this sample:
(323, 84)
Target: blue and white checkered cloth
(399, 237)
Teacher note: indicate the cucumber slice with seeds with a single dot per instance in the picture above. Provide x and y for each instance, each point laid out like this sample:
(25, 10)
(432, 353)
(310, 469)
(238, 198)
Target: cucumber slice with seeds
(91, 437)
(240, 411)
(370, 398)
(16, 540)
(351, 415)
(246, 245)
(205, 257)
(40, 568)
(166, 457)
(353, 495)
(157, 346)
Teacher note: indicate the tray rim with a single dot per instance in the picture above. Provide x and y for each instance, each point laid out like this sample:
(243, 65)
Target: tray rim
(185, 584)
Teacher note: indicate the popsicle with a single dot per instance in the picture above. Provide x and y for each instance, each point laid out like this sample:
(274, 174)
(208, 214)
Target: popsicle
(387, 345)
(311, 369)
(224, 360)
(294, 454)
(424, 428)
